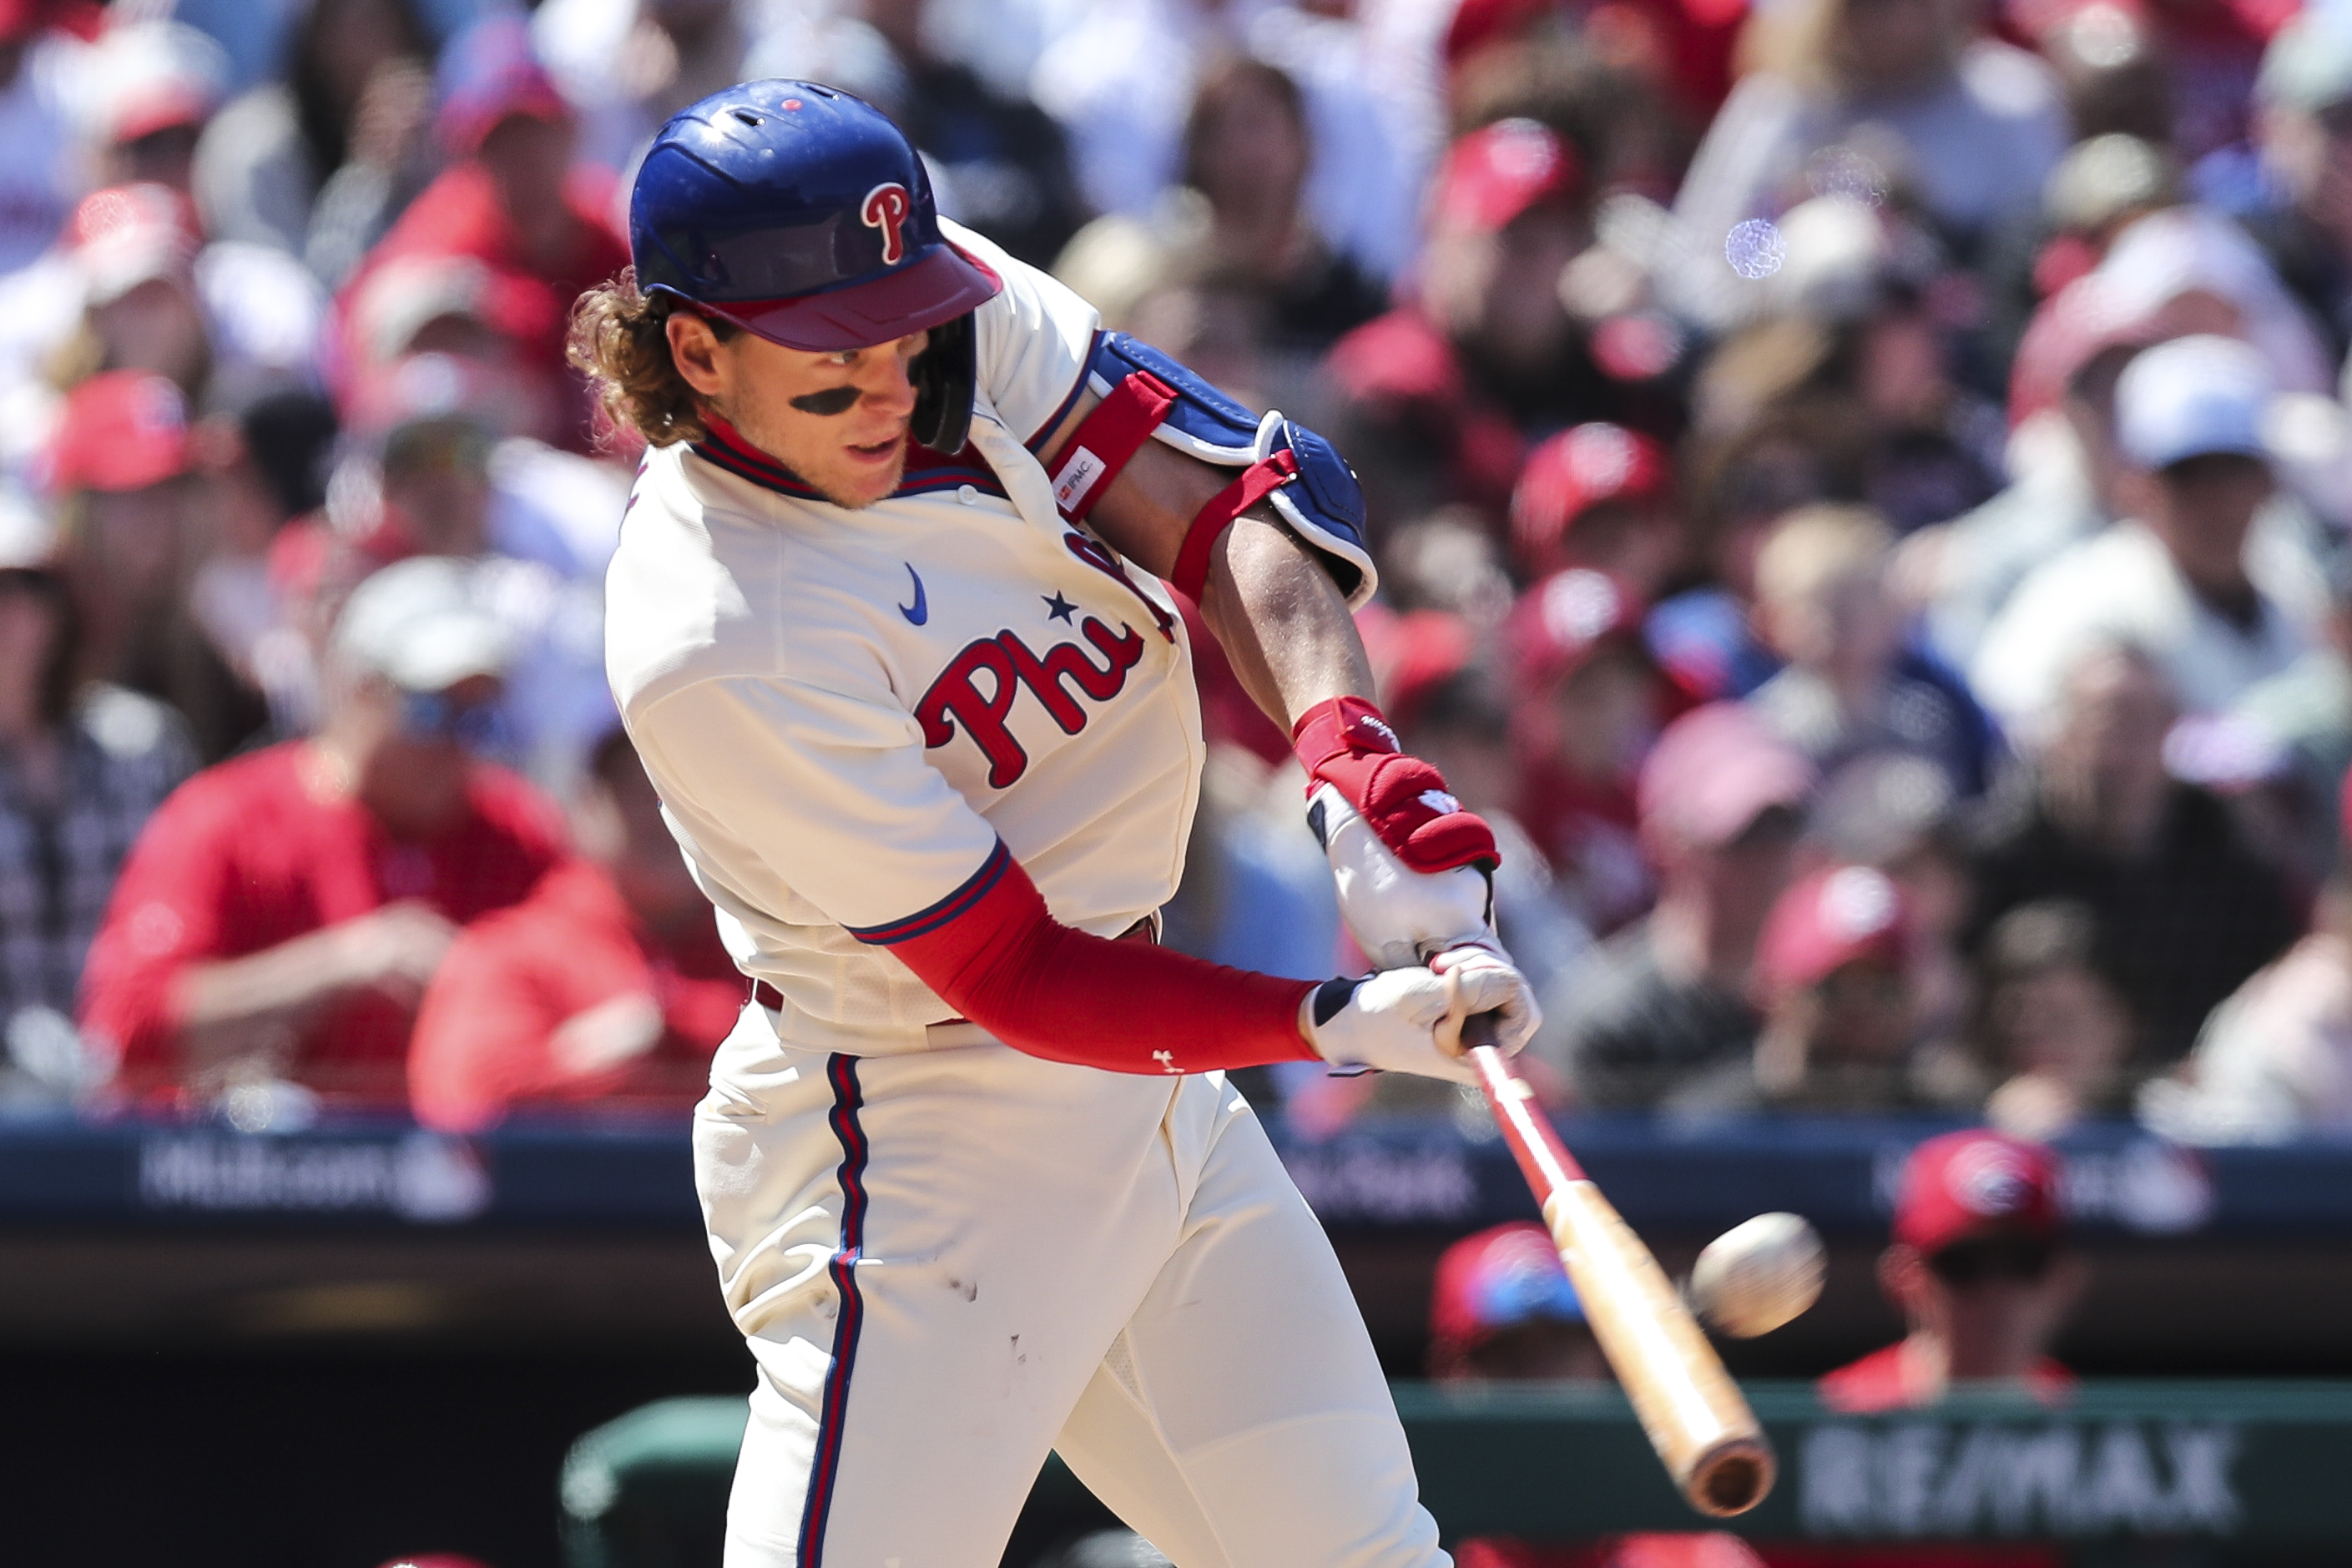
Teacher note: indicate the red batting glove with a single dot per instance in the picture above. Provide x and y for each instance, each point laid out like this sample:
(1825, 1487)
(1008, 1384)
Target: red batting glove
(1345, 743)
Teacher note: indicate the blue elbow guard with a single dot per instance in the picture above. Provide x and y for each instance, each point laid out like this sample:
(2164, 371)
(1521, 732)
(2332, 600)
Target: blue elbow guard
(1199, 419)
(1146, 394)
(1323, 506)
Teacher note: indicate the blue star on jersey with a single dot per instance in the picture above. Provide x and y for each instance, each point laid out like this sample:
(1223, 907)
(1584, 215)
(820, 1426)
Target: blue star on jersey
(1058, 608)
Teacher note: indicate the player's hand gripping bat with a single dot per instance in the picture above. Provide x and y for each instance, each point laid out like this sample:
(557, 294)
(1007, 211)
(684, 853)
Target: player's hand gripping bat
(1692, 1412)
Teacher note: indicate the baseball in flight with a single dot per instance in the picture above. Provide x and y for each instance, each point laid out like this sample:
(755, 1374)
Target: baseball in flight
(1758, 1275)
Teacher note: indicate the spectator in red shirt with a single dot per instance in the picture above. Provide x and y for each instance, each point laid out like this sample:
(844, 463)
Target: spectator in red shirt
(514, 199)
(280, 917)
(1980, 1269)
(608, 985)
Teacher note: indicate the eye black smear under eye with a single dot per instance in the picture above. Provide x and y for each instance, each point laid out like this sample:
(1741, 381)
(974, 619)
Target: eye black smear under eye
(830, 402)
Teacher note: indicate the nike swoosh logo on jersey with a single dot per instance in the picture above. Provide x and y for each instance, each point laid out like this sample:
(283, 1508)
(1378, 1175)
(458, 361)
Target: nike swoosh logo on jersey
(920, 611)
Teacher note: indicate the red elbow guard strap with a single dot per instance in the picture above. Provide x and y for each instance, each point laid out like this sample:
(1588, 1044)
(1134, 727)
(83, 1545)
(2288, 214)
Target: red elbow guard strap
(1107, 441)
(1347, 744)
(1258, 481)
(994, 952)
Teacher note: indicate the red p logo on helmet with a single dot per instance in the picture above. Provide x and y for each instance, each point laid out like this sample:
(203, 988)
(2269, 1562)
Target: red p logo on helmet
(886, 208)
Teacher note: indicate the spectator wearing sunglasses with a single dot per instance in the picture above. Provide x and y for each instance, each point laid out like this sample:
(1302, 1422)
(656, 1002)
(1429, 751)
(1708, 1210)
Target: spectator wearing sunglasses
(1980, 1269)
(281, 915)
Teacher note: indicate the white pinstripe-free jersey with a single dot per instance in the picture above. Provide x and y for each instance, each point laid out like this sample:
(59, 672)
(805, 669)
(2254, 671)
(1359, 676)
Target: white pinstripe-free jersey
(846, 711)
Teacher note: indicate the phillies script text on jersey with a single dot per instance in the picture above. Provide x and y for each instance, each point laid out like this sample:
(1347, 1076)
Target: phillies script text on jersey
(956, 697)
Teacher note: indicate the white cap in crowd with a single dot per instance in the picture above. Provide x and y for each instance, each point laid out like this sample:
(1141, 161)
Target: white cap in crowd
(2308, 65)
(421, 624)
(2191, 397)
(143, 76)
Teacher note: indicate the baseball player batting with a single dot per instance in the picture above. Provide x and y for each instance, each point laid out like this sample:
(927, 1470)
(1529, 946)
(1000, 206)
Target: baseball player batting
(889, 627)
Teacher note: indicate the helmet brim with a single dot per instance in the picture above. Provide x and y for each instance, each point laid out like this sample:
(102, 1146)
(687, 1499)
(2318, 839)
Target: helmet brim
(937, 288)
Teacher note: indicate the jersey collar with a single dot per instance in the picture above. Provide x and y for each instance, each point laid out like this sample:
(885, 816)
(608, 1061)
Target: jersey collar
(927, 471)
(726, 448)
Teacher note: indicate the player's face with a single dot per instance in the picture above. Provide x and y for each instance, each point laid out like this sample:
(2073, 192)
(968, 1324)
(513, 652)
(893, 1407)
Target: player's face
(838, 420)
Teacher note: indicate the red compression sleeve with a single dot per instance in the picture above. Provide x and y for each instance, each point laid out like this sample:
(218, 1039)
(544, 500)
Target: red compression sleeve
(994, 954)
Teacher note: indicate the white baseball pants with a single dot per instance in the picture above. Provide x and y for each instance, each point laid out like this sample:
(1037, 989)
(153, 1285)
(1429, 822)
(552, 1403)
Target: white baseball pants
(949, 1263)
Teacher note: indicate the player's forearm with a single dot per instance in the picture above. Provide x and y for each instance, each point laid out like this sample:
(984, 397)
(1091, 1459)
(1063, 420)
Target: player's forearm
(1271, 604)
(1048, 990)
(1282, 622)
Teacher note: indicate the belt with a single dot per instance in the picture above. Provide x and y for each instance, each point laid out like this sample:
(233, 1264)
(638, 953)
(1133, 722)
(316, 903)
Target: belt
(1144, 930)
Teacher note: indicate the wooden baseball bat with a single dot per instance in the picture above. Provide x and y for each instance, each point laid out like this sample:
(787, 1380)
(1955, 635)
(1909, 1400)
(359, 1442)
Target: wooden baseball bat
(1693, 1413)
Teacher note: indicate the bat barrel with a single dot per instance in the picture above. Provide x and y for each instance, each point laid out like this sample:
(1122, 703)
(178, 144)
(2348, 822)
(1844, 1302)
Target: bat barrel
(1690, 1408)
(1730, 1478)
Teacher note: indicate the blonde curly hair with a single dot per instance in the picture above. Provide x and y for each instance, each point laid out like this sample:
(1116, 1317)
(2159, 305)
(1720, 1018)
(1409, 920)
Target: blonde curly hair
(620, 341)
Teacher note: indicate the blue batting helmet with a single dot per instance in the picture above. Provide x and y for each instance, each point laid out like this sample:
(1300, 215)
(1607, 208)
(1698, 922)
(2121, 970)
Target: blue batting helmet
(799, 213)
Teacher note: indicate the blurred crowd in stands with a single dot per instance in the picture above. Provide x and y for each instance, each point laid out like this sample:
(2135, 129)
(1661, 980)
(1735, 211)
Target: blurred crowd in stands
(1862, 490)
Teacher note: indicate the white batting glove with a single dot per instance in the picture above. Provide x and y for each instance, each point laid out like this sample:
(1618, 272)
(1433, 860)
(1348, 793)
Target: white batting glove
(1517, 1018)
(1398, 916)
(1410, 1020)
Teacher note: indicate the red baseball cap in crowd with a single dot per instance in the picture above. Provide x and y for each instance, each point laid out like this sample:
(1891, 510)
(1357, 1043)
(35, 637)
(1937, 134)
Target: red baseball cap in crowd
(1713, 772)
(1965, 1185)
(124, 430)
(1498, 1278)
(23, 19)
(489, 73)
(1850, 914)
(126, 235)
(1563, 621)
(1497, 172)
(2071, 328)
(1417, 653)
(1571, 473)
